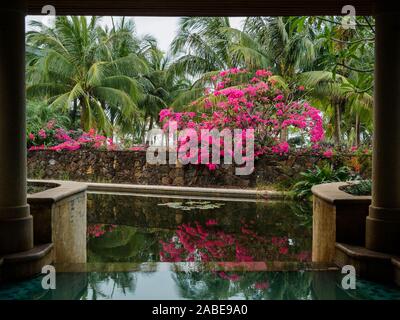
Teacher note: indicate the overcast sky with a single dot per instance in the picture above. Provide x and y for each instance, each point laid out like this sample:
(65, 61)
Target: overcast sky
(162, 28)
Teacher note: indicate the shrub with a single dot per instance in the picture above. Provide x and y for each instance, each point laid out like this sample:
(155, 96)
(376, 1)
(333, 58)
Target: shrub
(319, 175)
(242, 100)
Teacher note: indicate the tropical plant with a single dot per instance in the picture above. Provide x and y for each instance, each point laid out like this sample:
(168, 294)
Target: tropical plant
(319, 175)
(39, 114)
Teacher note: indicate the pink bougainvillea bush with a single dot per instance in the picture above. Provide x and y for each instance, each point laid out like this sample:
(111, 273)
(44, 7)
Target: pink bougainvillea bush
(242, 100)
(53, 137)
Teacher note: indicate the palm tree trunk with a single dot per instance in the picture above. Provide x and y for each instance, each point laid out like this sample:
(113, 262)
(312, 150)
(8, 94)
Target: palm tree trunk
(337, 129)
(143, 133)
(74, 112)
(358, 131)
(83, 113)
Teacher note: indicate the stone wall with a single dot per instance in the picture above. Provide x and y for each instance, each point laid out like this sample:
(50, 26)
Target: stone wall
(131, 167)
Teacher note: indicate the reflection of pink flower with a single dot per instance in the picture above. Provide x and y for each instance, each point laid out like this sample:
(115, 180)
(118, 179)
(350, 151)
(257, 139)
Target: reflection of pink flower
(304, 256)
(283, 250)
(231, 277)
(261, 285)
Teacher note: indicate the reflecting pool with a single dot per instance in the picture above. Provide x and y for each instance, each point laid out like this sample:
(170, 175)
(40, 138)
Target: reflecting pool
(136, 229)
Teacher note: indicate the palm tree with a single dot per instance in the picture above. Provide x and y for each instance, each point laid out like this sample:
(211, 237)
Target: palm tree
(343, 103)
(290, 43)
(201, 45)
(161, 86)
(74, 66)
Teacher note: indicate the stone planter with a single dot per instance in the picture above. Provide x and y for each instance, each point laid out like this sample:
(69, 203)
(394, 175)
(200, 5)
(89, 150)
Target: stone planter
(337, 217)
(59, 217)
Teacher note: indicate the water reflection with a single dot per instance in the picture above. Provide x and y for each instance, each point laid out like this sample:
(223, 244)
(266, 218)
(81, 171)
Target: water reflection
(169, 283)
(133, 229)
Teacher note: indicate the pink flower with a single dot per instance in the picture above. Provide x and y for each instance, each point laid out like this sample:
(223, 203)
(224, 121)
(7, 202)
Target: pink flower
(211, 222)
(33, 148)
(165, 113)
(31, 136)
(42, 134)
(263, 73)
(50, 125)
(328, 153)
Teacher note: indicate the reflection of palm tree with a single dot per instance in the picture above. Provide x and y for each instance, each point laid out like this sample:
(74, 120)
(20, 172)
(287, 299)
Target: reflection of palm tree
(202, 286)
(126, 281)
(124, 244)
(250, 285)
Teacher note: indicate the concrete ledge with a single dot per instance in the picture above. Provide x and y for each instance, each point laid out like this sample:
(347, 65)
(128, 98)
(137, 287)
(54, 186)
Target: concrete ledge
(255, 266)
(64, 189)
(337, 217)
(59, 217)
(26, 264)
(369, 264)
(331, 193)
(185, 191)
(60, 190)
(396, 266)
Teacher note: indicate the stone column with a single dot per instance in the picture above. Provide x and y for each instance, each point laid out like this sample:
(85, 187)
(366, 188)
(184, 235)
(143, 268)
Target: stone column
(16, 231)
(383, 222)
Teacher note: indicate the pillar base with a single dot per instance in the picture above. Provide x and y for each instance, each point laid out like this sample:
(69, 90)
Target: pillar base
(383, 230)
(16, 233)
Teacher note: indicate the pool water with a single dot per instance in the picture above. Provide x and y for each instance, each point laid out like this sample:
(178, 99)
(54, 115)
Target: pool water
(136, 229)
(164, 282)
(171, 248)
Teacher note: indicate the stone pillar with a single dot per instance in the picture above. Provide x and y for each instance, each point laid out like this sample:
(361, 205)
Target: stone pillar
(383, 222)
(16, 229)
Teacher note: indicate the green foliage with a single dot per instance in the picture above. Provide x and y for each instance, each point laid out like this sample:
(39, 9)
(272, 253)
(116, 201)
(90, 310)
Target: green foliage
(114, 81)
(39, 114)
(359, 188)
(318, 175)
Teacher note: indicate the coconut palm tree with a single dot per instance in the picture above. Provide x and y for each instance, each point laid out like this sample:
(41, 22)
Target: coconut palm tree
(343, 103)
(161, 86)
(75, 67)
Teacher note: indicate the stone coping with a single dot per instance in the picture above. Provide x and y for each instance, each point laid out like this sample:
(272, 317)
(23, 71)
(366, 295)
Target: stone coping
(186, 191)
(362, 253)
(60, 191)
(255, 266)
(331, 193)
(64, 189)
(35, 253)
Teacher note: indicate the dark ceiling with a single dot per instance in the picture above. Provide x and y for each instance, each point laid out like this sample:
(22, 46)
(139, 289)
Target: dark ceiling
(204, 7)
